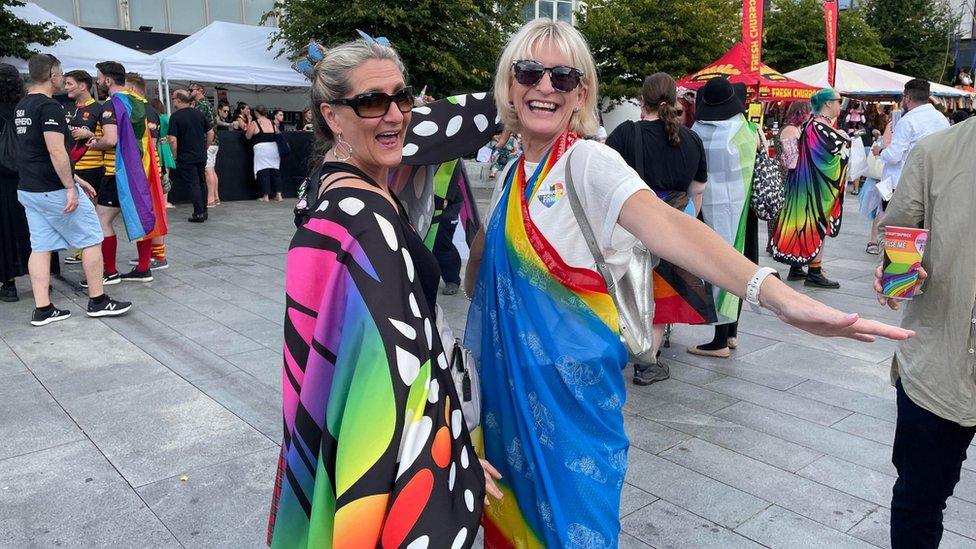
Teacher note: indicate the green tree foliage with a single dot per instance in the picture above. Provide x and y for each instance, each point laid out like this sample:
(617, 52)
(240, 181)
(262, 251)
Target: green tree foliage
(634, 38)
(795, 37)
(19, 35)
(449, 45)
(917, 33)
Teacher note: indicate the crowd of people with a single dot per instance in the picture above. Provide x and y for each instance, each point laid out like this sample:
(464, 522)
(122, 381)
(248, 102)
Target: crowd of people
(381, 444)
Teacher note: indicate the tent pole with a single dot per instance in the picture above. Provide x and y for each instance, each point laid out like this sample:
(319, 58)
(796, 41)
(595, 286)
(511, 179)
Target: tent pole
(159, 88)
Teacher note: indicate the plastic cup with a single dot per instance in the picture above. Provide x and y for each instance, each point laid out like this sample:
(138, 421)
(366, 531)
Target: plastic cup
(902, 249)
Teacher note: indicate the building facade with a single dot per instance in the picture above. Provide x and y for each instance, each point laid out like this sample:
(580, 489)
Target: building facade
(162, 16)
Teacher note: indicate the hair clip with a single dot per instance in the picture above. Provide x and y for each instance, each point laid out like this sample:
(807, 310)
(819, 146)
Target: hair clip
(382, 40)
(306, 64)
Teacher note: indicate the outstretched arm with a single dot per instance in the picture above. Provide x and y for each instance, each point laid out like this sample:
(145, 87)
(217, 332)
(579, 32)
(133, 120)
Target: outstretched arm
(687, 242)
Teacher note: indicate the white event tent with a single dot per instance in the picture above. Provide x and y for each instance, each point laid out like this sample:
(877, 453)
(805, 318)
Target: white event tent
(82, 49)
(230, 53)
(856, 79)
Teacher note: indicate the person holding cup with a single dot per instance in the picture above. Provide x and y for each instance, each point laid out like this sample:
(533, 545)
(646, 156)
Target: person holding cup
(933, 372)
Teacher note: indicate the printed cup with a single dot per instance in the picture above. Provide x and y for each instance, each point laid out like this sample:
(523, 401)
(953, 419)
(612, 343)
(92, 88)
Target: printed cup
(903, 249)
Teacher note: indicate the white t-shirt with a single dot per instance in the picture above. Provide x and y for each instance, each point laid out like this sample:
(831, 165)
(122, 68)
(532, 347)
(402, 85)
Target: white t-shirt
(603, 182)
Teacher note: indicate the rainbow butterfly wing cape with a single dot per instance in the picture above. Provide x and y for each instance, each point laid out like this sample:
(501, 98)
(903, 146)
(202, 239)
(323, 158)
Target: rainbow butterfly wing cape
(137, 174)
(814, 196)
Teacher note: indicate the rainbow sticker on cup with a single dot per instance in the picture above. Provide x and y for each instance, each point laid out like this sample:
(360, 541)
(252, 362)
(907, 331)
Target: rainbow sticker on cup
(902, 248)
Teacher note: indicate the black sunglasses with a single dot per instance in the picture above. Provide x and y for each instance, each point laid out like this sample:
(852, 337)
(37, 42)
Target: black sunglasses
(376, 104)
(564, 79)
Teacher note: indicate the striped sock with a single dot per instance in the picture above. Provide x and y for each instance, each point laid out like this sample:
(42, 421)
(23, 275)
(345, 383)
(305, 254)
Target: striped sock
(159, 251)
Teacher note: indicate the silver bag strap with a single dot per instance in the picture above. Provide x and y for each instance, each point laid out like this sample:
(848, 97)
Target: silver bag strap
(587, 230)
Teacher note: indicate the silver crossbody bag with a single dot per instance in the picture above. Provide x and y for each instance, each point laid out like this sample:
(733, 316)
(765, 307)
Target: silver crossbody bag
(633, 295)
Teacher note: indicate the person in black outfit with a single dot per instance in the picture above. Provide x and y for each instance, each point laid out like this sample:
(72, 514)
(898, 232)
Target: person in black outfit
(14, 236)
(671, 160)
(189, 132)
(447, 255)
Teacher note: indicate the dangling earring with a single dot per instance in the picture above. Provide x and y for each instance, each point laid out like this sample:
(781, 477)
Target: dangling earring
(339, 144)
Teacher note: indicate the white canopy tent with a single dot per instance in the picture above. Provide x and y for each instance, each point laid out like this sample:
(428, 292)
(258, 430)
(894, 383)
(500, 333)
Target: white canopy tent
(856, 79)
(82, 49)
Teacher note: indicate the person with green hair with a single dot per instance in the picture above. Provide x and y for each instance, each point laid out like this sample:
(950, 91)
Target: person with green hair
(814, 204)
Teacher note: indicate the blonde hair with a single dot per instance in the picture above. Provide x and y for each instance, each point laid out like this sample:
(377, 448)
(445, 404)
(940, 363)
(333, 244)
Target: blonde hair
(331, 78)
(567, 39)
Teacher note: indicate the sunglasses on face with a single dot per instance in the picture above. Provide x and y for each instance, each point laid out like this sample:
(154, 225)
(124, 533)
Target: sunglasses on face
(564, 79)
(376, 104)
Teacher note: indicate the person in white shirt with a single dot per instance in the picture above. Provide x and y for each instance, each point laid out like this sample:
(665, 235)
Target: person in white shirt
(919, 120)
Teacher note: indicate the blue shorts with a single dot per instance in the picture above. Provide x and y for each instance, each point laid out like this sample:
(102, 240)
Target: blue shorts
(53, 230)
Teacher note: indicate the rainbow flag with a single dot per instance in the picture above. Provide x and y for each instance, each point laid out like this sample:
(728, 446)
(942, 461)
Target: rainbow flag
(547, 338)
(137, 174)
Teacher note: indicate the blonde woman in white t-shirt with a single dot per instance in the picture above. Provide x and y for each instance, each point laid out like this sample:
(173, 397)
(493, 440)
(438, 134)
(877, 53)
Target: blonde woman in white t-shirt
(542, 325)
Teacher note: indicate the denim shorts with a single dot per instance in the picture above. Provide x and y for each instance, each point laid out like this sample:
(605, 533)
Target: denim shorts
(53, 230)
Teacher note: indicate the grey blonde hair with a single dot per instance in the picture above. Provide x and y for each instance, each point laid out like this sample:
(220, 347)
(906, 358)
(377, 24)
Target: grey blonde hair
(331, 79)
(567, 39)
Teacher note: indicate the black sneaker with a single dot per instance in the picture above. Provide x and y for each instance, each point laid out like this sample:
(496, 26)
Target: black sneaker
(155, 264)
(40, 318)
(645, 374)
(450, 289)
(818, 280)
(197, 218)
(107, 280)
(109, 307)
(8, 293)
(73, 259)
(138, 276)
(796, 273)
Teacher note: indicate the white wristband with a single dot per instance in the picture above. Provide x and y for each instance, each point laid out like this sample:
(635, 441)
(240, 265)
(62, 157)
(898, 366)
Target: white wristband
(752, 288)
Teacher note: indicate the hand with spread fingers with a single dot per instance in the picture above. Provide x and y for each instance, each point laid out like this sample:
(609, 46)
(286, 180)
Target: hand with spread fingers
(491, 475)
(808, 314)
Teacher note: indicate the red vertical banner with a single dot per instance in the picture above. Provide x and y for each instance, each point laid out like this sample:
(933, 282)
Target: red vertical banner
(752, 32)
(830, 22)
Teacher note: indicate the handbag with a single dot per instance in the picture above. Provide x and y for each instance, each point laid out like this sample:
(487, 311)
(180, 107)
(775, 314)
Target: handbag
(633, 294)
(768, 192)
(461, 363)
(875, 167)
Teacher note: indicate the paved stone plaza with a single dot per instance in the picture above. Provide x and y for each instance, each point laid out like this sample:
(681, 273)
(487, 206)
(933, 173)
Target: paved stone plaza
(161, 428)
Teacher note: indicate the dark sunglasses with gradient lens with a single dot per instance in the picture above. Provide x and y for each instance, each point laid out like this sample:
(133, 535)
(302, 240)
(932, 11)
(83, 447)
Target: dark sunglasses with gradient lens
(564, 79)
(376, 104)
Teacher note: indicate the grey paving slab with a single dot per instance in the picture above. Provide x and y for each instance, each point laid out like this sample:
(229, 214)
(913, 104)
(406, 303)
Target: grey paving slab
(32, 420)
(875, 529)
(633, 498)
(844, 371)
(862, 482)
(263, 364)
(225, 505)
(626, 541)
(867, 427)
(798, 406)
(810, 499)
(732, 367)
(70, 496)
(778, 527)
(663, 525)
(650, 436)
(960, 517)
(829, 441)
(159, 429)
(249, 399)
(10, 363)
(690, 490)
(672, 390)
(881, 407)
(765, 448)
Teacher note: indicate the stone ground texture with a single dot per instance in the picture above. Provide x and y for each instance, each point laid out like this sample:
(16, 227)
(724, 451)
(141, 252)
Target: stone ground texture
(161, 428)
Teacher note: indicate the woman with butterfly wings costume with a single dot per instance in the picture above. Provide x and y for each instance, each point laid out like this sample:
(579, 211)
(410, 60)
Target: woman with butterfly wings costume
(814, 204)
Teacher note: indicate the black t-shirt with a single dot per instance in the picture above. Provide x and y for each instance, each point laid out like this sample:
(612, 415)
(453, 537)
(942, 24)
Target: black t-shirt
(666, 167)
(189, 126)
(37, 114)
(85, 116)
(152, 121)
